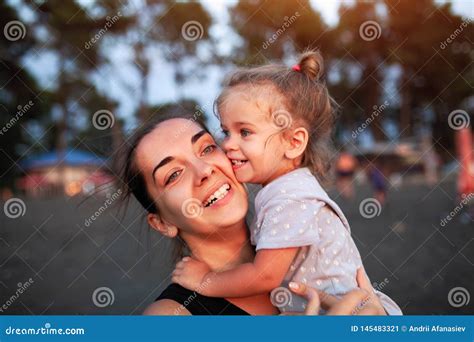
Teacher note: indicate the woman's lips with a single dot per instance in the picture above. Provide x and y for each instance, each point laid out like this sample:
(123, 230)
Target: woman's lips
(226, 199)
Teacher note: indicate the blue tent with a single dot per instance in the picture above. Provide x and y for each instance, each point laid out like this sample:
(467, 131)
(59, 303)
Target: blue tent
(71, 157)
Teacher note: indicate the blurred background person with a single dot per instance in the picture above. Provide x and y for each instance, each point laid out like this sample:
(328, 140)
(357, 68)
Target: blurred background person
(346, 165)
(378, 182)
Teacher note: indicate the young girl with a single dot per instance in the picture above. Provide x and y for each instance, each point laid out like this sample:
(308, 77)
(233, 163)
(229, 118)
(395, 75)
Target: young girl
(277, 123)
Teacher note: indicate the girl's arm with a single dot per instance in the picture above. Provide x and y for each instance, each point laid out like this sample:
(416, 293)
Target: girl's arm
(260, 276)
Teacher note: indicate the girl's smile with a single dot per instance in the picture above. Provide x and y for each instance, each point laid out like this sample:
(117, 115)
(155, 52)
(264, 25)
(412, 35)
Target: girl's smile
(238, 163)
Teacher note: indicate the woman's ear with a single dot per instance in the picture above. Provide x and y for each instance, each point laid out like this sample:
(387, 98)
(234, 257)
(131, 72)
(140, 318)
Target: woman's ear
(155, 221)
(298, 140)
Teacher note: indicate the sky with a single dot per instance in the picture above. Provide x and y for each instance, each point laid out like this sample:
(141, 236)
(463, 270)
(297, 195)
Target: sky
(329, 12)
(161, 82)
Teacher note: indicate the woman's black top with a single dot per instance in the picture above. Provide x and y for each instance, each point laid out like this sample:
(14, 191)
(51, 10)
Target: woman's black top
(197, 304)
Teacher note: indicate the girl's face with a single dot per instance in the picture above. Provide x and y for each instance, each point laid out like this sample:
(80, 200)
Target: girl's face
(253, 139)
(190, 179)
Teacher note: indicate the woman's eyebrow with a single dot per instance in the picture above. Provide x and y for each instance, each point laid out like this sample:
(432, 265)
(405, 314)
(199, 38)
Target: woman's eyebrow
(160, 164)
(166, 160)
(196, 136)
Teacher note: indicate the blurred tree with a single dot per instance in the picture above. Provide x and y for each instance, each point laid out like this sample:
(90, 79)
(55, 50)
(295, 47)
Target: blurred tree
(176, 30)
(277, 30)
(74, 35)
(361, 49)
(68, 29)
(19, 102)
(434, 73)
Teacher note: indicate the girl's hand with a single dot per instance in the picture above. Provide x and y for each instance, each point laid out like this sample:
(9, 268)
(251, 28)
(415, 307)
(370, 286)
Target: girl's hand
(191, 274)
(362, 301)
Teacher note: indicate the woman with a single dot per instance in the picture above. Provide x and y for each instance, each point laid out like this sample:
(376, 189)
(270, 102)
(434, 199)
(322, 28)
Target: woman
(176, 171)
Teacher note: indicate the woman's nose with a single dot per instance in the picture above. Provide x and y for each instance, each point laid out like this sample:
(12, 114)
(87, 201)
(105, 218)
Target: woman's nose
(203, 171)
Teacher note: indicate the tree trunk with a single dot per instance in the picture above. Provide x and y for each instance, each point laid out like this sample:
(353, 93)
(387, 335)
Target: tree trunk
(143, 68)
(405, 105)
(373, 98)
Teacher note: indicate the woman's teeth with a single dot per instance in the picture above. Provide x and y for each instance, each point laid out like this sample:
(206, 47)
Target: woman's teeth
(218, 195)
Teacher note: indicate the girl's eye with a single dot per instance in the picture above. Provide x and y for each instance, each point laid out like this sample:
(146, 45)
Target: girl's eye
(209, 149)
(245, 132)
(172, 177)
(225, 132)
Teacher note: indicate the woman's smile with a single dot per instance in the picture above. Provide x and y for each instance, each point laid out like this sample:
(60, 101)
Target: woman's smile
(220, 198)
(217, 195)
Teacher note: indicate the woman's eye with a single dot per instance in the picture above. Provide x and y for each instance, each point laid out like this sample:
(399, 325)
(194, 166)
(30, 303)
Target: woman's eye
(245, 132)
(209, 149)
(172, 177)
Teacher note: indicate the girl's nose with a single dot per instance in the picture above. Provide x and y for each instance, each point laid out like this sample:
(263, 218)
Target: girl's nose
(229, 144)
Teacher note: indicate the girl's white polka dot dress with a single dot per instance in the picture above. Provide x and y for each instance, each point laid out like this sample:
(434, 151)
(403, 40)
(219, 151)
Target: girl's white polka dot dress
(295, 211)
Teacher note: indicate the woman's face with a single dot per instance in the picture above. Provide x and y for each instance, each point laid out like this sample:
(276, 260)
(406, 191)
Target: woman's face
(190, 178)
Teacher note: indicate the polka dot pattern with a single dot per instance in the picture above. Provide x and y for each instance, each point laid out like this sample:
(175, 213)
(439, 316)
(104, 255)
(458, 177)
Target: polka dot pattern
(295, 211)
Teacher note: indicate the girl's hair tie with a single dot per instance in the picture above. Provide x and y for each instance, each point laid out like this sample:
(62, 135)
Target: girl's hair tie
(296, 67)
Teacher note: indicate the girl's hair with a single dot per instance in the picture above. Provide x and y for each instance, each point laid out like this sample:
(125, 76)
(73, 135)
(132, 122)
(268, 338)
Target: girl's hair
(304, 94)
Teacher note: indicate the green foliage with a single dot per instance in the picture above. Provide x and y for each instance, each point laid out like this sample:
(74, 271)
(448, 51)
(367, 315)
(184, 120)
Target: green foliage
(436, 70)
(17, 89)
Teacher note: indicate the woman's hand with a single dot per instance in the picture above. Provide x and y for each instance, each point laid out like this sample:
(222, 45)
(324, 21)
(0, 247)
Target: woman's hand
(362, 301)
(373, 300)
(190, 273)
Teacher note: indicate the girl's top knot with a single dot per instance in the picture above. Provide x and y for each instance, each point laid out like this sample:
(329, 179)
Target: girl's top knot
(311, 64)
